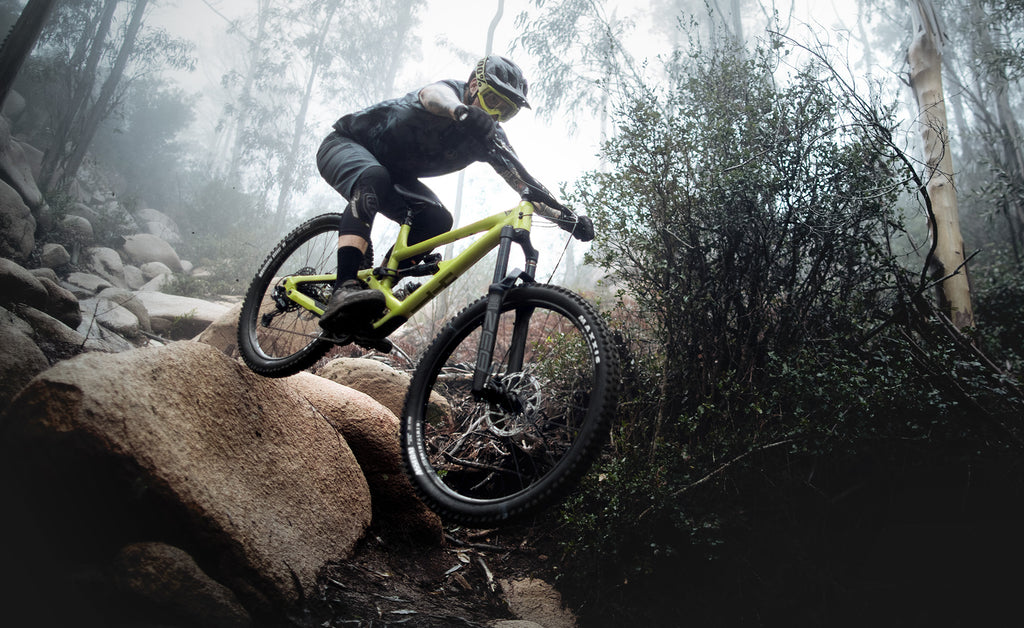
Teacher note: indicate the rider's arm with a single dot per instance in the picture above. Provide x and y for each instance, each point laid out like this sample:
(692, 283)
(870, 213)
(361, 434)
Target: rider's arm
(581, 227)
(440, 100)
(515, 180)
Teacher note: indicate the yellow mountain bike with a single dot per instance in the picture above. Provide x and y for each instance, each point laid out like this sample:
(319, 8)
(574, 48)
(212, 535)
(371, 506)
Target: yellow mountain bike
(512, 400)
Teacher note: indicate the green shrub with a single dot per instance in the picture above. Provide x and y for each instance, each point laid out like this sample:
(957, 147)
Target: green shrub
(782, 372)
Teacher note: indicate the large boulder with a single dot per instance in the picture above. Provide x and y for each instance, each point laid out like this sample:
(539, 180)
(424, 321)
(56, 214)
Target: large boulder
(159, 224)
(20, 358)
(111, 315)
(106, 263)
(372, 433)
(177, 317)
(13, 106)
(131, 302)
(15, 167)
(383, 383)
(154, 269)
(61, 303)
(51, 333)
(183, 443)
(54, 255)
(223, 332)
(532, 599)
(18, 285)
(98, 337)
(17, 226)
(134, 277)
(77, 229)
(84, 285)
(146, 247)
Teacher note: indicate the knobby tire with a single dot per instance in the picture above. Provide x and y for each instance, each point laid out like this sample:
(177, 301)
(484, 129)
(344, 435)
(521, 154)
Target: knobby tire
(483, 463)
(279, 338)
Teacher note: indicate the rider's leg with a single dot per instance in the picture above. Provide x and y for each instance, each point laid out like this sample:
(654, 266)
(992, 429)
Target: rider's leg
(357, 175)
(352, 304)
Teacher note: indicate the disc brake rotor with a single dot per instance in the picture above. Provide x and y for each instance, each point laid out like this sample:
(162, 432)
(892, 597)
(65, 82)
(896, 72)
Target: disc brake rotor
(524, 394)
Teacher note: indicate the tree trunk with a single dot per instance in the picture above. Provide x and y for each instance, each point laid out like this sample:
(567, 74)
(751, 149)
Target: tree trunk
(291, 159)
(81, 92)
(925, 57)
(101, 108)
(20, 42)
(256, 47)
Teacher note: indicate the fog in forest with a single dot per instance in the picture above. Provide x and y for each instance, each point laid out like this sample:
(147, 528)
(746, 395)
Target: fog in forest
(808, 255)
(237, 94)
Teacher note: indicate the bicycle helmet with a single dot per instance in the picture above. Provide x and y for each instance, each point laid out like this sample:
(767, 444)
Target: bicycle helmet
(501, 87)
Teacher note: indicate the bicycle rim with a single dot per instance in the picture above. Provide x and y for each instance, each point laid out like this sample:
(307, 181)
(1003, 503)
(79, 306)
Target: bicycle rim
(276, 336)
(489, 462)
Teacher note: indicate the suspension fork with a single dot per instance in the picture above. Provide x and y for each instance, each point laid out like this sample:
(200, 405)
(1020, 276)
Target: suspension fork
(503, 281)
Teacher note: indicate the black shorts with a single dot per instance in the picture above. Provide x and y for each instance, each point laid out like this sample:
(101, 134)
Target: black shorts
(342, 162)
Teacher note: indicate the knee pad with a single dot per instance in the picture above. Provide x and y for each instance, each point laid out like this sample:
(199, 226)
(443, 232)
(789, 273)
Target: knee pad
(364, 205)
(367, 199)
(372, 190)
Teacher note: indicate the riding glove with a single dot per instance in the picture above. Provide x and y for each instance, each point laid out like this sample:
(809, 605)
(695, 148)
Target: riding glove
(584, 229)
(478, 123)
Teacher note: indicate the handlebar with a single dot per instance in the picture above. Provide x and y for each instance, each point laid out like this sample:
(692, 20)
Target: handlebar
(581, 227)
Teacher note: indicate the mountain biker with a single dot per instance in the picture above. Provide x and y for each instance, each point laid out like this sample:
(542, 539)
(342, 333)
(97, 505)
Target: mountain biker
(439, 129)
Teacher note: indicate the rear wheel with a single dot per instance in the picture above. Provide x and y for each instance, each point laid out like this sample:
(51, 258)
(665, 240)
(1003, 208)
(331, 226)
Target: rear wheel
(486, 461)
(276, 337)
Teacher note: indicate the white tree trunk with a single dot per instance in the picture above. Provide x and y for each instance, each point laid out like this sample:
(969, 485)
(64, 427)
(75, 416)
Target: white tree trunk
(925, 58)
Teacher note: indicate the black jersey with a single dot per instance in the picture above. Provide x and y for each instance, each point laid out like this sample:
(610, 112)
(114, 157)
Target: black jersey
(410, 141)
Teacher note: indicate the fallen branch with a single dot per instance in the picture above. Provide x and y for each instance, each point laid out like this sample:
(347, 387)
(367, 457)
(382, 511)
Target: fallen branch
(728, 464)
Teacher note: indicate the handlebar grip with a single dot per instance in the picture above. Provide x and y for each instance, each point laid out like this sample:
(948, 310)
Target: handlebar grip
(582, 228)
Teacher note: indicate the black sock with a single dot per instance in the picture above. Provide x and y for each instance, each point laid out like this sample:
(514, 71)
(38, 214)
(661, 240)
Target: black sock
(349, 258)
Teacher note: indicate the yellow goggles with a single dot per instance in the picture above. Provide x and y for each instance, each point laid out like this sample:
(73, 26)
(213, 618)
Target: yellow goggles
(495, 103)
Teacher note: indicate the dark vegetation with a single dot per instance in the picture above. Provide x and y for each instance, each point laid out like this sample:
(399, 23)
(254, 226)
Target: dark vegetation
(803, 439)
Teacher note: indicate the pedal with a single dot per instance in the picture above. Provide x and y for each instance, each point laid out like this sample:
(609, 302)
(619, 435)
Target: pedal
(338, 340)
(429, 265)
(381, 345)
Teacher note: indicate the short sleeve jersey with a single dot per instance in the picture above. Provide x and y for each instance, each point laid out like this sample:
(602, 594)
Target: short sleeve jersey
(410, 141)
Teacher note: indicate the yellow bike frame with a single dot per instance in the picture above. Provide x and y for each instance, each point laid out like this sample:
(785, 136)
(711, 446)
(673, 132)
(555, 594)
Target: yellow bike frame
(519, 219)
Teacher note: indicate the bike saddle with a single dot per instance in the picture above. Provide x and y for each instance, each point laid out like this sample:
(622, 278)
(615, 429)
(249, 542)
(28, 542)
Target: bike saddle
(415, 199)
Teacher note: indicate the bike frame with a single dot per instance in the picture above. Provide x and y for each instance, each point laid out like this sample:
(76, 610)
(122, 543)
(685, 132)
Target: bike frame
(499, 231)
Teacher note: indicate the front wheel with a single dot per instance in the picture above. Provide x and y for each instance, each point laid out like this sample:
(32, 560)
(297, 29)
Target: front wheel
(554, 381)
(276, 337)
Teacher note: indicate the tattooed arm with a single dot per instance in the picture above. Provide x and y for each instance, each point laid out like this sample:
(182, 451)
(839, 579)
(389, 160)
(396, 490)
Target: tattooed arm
(518, 181)
(440, 100)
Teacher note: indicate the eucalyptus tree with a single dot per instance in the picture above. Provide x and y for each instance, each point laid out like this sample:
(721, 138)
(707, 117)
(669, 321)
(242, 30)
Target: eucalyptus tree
(90, 54)
(948, 256)
(979, 50)
(304, 54)
(19, 43)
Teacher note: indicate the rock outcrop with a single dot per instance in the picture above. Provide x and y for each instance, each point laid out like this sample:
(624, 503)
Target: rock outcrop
(372, 432)
(257, 474)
